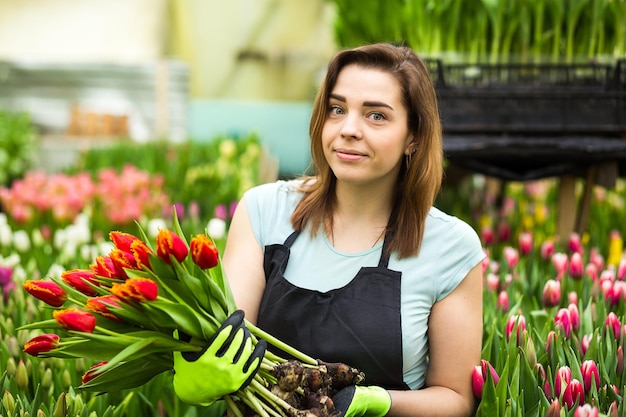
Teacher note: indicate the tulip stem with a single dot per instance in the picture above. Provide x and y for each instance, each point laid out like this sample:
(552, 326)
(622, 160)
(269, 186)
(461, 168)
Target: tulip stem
(280, 344)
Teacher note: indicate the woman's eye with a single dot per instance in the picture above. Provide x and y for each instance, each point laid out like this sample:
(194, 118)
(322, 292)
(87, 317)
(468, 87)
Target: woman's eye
(336, 110)
(377, 117)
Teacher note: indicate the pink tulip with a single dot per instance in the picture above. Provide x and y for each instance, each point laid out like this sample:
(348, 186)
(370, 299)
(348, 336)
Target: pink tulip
(574, 316)
(584, 343)
(560, 262)
(551, 341)
(503, 301)
(547, 250)
(480, 375)
(525, 243)
(574, 394)
(572, 297)
(563, 322)
(591, 271)
(551, 293)
(511, 255)
(562, 379)
(576, 267)
(613, 324)
(621, 269)
(586, 410)
(493, 282)
(596, 258)
(620, 359)
(516, 322)
(504, 232)
(487, 235)
(591, 376)
(575, 244)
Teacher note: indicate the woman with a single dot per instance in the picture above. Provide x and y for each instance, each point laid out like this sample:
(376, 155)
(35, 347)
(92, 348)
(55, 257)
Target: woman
(354, 264)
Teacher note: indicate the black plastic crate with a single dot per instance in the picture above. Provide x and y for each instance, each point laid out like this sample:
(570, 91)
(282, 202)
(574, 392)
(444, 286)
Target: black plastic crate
(529, 98)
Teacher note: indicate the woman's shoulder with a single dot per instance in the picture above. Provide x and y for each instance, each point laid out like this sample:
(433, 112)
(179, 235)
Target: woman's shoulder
(277, 190)
(446, 227)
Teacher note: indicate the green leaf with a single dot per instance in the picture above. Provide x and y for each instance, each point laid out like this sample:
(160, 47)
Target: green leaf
(128, 375)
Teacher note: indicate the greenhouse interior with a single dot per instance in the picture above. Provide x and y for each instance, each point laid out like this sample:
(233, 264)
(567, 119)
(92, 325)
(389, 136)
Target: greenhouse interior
(124, 119)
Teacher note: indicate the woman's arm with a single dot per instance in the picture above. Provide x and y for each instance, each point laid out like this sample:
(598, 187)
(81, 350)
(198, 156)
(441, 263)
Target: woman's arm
(455, 338)
(243, 263)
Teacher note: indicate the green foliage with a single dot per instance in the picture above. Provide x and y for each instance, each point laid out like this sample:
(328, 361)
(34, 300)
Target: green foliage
(496, 27)
(17, 142)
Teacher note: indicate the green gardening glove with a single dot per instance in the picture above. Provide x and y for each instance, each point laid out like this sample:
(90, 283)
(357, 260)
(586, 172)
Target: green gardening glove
(358, 401)
(227, 364)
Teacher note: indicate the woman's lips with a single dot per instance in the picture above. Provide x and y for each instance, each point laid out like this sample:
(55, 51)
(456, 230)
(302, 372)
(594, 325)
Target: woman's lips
(348, 155)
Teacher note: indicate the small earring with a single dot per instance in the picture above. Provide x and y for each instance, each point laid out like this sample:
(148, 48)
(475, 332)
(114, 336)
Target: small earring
(408, 158)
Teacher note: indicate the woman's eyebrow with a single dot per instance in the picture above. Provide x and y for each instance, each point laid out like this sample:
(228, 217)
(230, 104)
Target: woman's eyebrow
(365, 103)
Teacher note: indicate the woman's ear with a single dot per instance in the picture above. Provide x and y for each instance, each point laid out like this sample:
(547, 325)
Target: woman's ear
(411, 148)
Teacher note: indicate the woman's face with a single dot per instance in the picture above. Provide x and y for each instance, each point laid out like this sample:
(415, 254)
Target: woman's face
(365, 134)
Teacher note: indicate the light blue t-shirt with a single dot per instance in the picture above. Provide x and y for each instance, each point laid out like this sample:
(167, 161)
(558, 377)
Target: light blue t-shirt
(450, 249)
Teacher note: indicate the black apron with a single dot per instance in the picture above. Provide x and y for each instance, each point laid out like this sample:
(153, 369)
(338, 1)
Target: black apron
(359, 324)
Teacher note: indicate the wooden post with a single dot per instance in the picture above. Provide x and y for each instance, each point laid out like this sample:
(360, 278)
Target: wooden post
(566, 208)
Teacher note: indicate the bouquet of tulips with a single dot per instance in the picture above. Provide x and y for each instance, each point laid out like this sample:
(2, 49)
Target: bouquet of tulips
(123, 312)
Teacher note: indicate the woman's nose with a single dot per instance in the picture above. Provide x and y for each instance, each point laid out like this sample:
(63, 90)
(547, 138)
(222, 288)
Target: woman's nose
(351, 128)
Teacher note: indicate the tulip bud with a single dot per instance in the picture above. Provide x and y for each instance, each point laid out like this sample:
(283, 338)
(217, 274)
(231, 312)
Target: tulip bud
(75, 319)
(531, 353)
(480, 375)
(584, 344)
(170, 244)
(574, 316)
(203, 251)
(80, 279)
(547, 250)
(101, 305)
(613, 324)
(41, 344)
(562, 379)
(141, 253)
(613, 410)
(563, 322)
(66, 379)
(575, 244)
(47, 291)
(104, 267)
(60, 408)
(136, 289)
(46, 379)
(493, 282)
(525, 243)
(518, 322)
(551, 296)
(511, 256)
(560, 262)
(11, 368)
(586, 410)
(555, 409)
(576, 267)
(572, 296)
(589, 371)
(8, 402)
(503, 301)
(504, 232)
(487, 235)
(92, 372)
(551, 341)
(574, 394)
(21, 376)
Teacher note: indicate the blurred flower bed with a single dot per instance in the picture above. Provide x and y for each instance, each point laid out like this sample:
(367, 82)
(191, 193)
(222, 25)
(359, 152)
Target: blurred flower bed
(554, 312)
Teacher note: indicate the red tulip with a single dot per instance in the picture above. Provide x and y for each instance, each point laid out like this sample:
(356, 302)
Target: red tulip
(92, 372)
(589, 371)
(551, 293)
(575, 244)
(79, 279)
(480, 375)
(170, 244)
(203, 251)
(136, 289)
(574, 393)
(41, 344)
(121, 262)
(47, 291)
(101, 306)
(75, 319)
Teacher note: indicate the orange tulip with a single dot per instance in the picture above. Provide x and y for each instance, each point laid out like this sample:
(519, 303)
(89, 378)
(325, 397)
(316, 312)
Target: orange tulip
(79, 279)
(75, 319)
(41, 344)
(170, 244)
(104, 267)
(47, 291)
(142, 253)
(101, 306)
(122, 241)
(136, 289)
(203, 251)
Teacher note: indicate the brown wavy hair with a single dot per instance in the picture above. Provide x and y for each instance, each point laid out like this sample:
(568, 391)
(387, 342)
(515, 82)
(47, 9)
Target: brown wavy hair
(420, 176)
